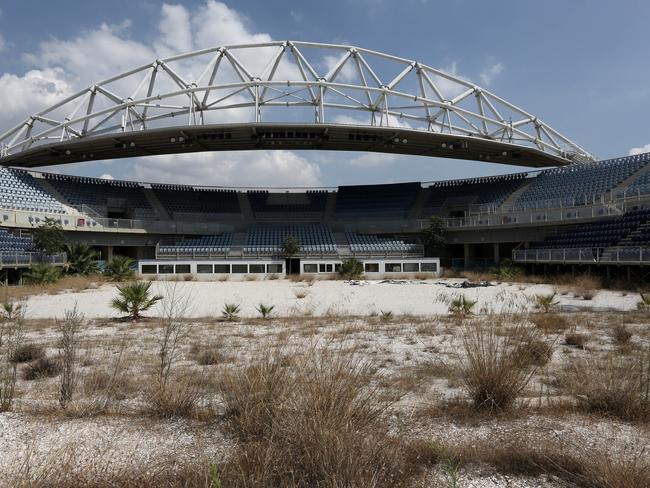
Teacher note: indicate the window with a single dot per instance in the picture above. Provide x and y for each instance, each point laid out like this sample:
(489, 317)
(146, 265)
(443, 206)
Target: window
(166, 268)
(222, 268)
(329, 268)
(393, 268)
(371, 267)
(240, 268)
(204, 268)
(337, 268)
(430, 267)
(274, 268)
(256, 268)
(321, 268)
(183, 269)
(310, 268)
(149, 269)
(411, 267)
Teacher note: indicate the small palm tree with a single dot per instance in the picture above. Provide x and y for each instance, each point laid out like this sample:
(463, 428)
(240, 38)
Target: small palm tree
(230, 311)
(264, 310)
(546, 302)
(134, 298)
(461, 306)
(10, 310)
(644, 304)
(42, 274)
(82, 259)
(119, 268)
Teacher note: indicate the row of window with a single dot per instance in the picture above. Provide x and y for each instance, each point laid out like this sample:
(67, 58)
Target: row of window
(409, 267)
(212, 268)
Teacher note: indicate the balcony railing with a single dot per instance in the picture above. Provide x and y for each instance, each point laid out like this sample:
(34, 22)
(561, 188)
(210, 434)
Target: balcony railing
(19, 259)
(612, 255)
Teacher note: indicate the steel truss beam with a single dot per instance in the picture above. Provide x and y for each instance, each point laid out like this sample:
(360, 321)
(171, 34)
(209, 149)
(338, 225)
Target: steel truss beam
(278, 80)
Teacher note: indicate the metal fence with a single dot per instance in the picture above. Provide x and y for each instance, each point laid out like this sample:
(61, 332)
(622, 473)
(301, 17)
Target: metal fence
(614, 255)
(27, 259)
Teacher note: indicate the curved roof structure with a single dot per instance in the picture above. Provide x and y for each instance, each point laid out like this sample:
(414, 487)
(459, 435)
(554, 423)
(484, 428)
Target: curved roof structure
(285, 95)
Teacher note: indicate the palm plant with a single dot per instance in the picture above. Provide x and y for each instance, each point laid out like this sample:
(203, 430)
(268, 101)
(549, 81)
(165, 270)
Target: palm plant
(119, 268)
(230, 311)
(461, 306)
(134, 298)
(264, 310)
(10, 310)
(644, 304)
(42, 274)
(82, 259)
(546, 302)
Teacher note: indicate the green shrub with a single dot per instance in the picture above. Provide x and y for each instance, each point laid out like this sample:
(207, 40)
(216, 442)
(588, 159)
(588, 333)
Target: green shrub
(230, 311)
(351, 268)
(119, 269)
(42, 274)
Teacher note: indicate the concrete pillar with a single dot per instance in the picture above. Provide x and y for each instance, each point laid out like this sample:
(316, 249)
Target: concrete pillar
(108, 253)
(466, 255)
(497, 256)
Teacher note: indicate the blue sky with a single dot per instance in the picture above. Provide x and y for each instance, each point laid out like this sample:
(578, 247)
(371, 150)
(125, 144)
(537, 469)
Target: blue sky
(582, 66)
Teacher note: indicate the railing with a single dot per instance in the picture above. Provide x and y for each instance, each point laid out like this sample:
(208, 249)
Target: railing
(612, 255)
(629, 193)
(528, 217)
(19, 259)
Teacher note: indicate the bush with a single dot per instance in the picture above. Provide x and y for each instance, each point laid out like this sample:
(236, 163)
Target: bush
(81, 259)
(119, 269)
(41, 368)
(42, 274)
(134, 298)
(351, 269)
(496, 368)
(26, 353)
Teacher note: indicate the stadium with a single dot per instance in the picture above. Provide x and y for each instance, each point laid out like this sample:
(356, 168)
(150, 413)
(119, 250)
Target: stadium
(579, 214)
(411, 254)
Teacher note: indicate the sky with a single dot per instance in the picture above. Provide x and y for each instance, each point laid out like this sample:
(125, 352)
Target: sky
(580, 65)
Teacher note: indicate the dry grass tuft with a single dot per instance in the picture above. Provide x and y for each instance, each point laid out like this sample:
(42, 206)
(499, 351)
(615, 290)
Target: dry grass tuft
(612, 385)
(550, 323)
(26, 353)
(496, 368)
(309, 420)
(41, 368)
(576, 340)
(621, 335)
(586, 286)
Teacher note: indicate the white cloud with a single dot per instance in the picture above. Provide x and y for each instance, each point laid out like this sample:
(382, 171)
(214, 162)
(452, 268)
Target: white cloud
(261, 168)
(107, 177)
(374, 160)
(639, 150)
(490, 73)
(175, 30)
(31, 92)
(348, 71)
(216, 24)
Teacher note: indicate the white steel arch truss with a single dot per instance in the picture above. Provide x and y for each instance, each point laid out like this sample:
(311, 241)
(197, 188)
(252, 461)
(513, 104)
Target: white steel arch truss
(292, 82)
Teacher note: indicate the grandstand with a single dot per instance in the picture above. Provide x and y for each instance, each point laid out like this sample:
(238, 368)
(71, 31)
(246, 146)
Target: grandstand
(604, 218)
(577, 211)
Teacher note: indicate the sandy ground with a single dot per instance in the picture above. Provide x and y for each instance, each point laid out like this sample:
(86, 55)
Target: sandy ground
(338, 298)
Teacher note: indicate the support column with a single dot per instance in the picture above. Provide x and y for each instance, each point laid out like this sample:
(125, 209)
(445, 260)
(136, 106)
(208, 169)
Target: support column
(497, 257)
(466, 255)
